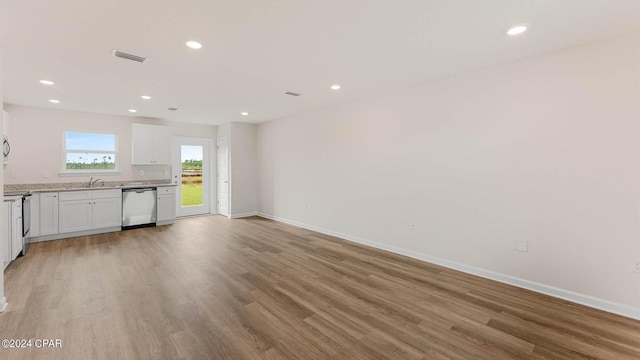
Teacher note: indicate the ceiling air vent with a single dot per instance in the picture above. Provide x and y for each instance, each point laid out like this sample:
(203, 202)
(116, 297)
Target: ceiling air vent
(126, 56)
(292, 93)
(172, 109)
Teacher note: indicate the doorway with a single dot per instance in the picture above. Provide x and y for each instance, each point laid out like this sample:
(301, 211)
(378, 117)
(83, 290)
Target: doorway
(223, 176)
(191, 174)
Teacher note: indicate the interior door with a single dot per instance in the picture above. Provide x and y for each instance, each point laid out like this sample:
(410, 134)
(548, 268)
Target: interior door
(223, 176)
(191, 172)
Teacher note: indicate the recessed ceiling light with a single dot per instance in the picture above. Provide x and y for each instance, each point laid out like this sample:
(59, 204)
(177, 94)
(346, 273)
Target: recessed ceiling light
(146, 97)
(54, 101)
(335, 87)
(194, 44)
(133, 110)
(244, 113)
(517, 30)
(46, 82)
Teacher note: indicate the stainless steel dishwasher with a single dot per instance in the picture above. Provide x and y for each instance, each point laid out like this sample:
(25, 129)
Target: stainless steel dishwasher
(138, 207)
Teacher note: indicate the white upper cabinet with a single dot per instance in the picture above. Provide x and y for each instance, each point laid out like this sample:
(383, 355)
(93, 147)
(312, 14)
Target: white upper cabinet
(150, 144)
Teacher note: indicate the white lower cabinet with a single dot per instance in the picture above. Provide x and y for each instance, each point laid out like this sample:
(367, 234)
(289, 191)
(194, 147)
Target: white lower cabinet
(48, 213)
(6, 234)
(16, 228)
(12, 234)
(84, 212)
(107, 212)
(34, 229)
(90, 210)
(166, 206)
(75, 215)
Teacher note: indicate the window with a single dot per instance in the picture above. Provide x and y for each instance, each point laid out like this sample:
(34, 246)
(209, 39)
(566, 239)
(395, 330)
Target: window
(90, 152)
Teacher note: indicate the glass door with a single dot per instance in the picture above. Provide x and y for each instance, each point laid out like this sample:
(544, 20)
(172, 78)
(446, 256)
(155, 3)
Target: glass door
(191, 175)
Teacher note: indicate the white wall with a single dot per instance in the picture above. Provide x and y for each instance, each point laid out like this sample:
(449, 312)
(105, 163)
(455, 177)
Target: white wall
(243, 169)
(37, 140)
(3, 223)
(546, 150)
(224, 130)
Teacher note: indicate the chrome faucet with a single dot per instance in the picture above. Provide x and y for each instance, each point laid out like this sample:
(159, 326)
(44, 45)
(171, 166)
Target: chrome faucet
(93, 182)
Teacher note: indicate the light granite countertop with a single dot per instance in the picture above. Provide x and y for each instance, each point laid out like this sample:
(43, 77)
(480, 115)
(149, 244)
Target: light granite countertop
(21, 189)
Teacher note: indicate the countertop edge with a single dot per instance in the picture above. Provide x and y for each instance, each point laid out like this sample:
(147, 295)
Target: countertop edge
(18, 193)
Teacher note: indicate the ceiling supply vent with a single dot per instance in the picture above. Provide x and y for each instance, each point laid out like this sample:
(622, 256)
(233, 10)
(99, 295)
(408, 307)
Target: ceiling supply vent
(172, 109)
(126, 56)
(292, 93)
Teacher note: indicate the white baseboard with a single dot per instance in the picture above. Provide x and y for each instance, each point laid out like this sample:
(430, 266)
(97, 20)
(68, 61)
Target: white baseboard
(243, 215)
(3, 304)
(590, 301)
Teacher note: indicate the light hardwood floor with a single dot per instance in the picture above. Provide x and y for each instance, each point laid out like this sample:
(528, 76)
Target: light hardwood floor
(214, 288)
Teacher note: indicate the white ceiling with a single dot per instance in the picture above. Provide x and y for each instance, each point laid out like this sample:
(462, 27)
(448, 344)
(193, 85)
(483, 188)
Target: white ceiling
(255, 50)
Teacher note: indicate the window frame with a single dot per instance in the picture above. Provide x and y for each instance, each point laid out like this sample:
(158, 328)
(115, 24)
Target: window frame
(72, 172)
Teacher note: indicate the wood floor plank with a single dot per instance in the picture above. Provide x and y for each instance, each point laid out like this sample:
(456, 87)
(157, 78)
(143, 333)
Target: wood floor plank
(214, 288)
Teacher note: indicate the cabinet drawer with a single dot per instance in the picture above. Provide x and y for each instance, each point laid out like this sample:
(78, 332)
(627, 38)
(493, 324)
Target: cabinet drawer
(75, 195)
(106, 194)
(166, 190)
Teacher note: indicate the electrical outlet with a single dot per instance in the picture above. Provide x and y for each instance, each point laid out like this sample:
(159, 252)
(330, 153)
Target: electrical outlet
(14, 174)
(521, 245)
(635, 266)
(140, 172)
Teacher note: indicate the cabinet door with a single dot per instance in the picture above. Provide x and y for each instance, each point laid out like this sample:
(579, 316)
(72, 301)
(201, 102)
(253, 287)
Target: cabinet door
(16, 238)
(142, 144)
(48, 213)
(16, 232)
(34, 231)
(75, 215)
(107, 213)
(162, 145)
(150, 144)
(166, 207)
(6, 234)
